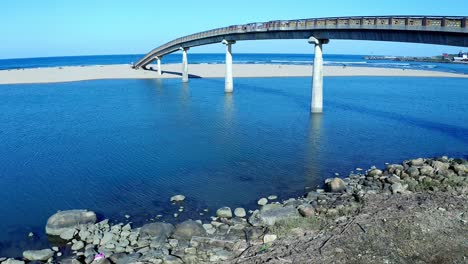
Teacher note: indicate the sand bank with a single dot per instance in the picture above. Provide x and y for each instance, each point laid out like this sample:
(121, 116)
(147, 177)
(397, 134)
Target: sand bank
(78, 73)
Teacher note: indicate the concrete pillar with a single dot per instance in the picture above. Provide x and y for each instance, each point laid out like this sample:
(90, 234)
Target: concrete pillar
(159, 66)
(316, 105)
(229, 84)
(184, 65)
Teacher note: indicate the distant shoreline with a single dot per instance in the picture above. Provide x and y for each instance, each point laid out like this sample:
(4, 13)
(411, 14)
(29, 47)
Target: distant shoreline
(124, 71)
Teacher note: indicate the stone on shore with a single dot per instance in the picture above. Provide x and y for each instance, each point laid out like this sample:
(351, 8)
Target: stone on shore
(38, 255)
(262, 201)
(336, 185)
(157, 231)
(240, 212)
(417, 162)
(224, 212)
(78, 245)
(186, 230)
(178, 198)
(375, 173)
(64, 220)
(68, 234)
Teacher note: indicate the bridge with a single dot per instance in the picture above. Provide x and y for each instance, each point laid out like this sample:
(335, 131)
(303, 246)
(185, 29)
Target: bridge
(451, 31)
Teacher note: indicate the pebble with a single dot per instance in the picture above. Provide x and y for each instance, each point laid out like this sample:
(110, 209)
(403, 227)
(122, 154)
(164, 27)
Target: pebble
(272, 197)
(127, 216)
(31, 234)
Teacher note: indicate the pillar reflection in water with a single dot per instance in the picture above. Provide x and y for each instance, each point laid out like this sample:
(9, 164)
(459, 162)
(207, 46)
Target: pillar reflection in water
(185, 94)
(313, 153)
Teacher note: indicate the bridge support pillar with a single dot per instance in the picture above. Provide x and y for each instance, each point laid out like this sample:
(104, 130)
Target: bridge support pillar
(159, 66)
(185, 77)
(229, 84)
(316, 104)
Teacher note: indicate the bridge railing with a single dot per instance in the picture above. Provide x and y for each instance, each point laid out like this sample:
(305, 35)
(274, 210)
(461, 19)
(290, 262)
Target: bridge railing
(370, 22)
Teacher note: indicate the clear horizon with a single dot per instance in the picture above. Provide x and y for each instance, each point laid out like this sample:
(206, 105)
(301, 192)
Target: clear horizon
(52, 28)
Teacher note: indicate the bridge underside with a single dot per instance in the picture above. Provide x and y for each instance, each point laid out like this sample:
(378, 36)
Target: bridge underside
(427, 37)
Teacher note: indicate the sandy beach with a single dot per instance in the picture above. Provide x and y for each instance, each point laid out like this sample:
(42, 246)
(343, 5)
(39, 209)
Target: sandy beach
(100, 72)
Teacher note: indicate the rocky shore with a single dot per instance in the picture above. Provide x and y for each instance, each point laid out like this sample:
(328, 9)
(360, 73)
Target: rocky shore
(237, 236)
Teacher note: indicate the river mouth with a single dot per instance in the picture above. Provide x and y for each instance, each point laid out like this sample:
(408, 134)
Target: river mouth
(124, 147)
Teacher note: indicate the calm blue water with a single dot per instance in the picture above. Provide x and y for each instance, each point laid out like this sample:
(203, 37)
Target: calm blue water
(125, 146)
(297, 59)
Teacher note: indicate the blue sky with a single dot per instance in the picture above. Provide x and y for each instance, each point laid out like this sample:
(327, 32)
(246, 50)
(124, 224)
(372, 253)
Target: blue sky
(41, 28)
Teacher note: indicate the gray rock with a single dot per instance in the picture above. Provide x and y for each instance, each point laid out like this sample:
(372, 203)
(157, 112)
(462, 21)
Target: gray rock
(413, 172)
(64, 220)
(336, 185)
(460, 169)
(240, 212)
(108, 236)
(375, 173)
(417, 162)
(393, 179)
(262, 201)
(78, 245)
(224, 212)
(272, 215)
(427, 170)
(306, 210)
(40, 255)
(68, 234)
(178, 198)
(157, 231)
(186, 230)
(439, 165)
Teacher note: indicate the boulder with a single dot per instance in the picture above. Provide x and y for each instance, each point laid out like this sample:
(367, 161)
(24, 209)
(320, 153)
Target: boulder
(39, 255)
(336, 185)
(186, 230)
(240, 212)
(64, 220)
(171, 260)
(158, 231)
(224, 212)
